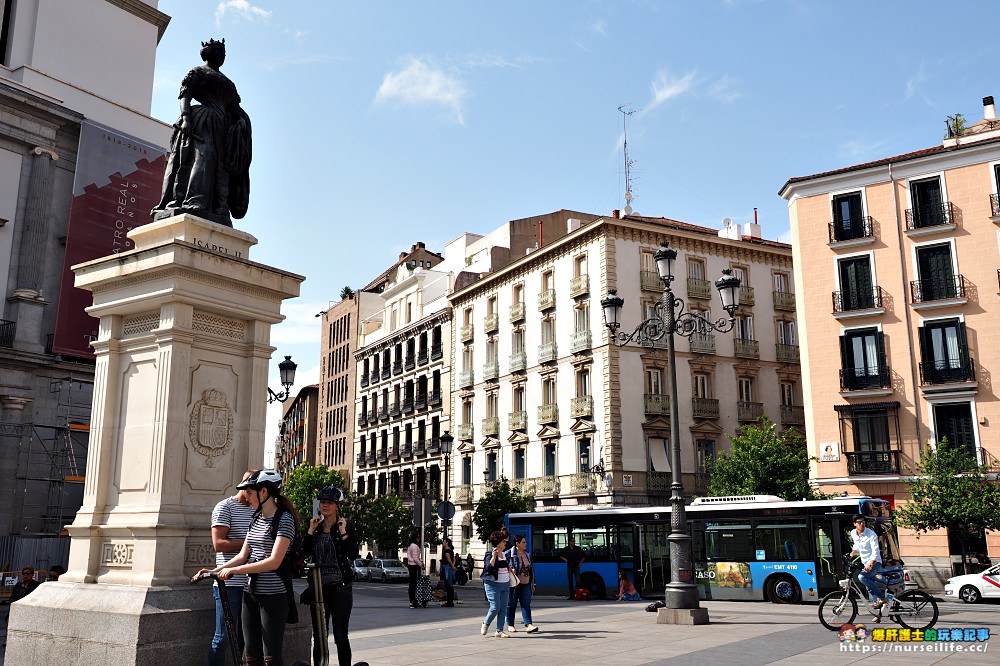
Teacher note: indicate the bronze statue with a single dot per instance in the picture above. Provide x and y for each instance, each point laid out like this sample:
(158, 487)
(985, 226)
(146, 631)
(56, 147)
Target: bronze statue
(208, 166)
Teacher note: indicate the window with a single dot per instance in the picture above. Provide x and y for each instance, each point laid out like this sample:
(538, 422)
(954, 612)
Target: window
(467, 317)
(706, 453)
(549, 390)
(517, 341)
(583, 382)
(518, 398)
(936, 273)
(848, 217)
(548, 280)
(409, 312)
(491, 350)
(548, 330)
(392, 319)
(696, 269)
(582, 318)
(519, 464)
(646, 262)
(654, 381)
(856, 285)
(745, 387)
(466, 470)
(491, 406)
(787, 393)
(862, 354)
(518, 294)
(783, 542)
(944, 353)
(580, 266)
(491, 306)
(701, 385)
(491, 467)
(744, 327)
(782, 285)
(729, 541)
(786, 332)
(953, 422)
(467, 358)
(584, 457)
(929, 206)
(550, 459)
(741, 273)
(467, 411)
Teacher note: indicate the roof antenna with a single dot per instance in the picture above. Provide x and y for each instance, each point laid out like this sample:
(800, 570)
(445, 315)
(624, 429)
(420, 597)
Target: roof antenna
(628, 163)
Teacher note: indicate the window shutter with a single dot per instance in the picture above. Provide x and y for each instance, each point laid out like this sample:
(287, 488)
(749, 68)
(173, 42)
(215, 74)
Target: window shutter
(883, 367)
(926, 345)
(963, 343)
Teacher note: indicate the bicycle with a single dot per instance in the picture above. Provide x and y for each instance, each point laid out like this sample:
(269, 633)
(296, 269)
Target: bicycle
(911, 609)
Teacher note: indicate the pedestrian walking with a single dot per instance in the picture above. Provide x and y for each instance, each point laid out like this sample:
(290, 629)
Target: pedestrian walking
(230, 521)
(573, 556)
(520, 562)
(266, 599)
(496, 581)
(415, 565)
(448, 572)
(333, 544)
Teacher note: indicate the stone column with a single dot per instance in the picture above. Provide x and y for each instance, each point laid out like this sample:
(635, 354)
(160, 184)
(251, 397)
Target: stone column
(178, 414)
(12, 432)
(26, 298)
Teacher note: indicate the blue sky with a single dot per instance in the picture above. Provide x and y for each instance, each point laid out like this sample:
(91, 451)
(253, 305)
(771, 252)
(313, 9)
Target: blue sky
(380, 124)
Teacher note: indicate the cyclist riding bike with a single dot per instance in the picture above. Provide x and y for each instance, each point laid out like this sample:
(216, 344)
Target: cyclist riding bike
(865, 545)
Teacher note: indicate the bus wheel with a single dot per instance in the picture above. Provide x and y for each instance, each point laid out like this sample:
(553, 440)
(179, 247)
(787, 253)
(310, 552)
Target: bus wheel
(783, 590)
(594, 584)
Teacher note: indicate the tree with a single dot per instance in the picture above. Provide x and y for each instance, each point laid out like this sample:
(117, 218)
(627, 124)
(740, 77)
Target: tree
(950, 490)
(496, 503)
(346, 293)
(763, 462)
(303, 483)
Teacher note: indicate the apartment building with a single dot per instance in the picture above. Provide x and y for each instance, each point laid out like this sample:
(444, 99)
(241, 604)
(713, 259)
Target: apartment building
(541, 397)
(896, 267)
(297, 430)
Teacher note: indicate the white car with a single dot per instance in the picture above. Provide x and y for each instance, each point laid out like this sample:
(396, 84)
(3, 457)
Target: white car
(970, 588)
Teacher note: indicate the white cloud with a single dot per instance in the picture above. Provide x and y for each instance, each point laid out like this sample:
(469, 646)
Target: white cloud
(664, 88)
(420, 83)
(724, 90)
(300, 326)
(241, 8)
(295, 33)
(599, 28)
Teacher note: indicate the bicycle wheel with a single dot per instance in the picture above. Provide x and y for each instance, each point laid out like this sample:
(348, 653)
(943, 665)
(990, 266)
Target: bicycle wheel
(837, 609)
(917, 610)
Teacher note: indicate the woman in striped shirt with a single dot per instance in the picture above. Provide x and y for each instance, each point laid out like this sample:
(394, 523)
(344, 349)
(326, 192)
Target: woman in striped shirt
(266, 599)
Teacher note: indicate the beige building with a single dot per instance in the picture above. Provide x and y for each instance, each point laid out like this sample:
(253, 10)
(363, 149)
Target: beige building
(896, 268)
(540, 397)
(297, 431)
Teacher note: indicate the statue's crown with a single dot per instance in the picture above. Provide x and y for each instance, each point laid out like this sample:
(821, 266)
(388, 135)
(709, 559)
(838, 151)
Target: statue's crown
(212, 41)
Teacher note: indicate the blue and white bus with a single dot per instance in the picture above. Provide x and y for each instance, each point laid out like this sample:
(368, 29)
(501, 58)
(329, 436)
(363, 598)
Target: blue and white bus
(745, 548)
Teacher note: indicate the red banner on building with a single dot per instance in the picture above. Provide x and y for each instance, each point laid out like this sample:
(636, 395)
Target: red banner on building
(117, 182)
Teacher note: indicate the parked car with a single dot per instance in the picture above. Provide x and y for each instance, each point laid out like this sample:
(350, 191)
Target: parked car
(971, 588)
(360, 569)
(386, 570)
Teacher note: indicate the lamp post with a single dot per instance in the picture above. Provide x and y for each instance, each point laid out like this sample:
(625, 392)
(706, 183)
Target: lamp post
(286, 369)
(669, 318)
(446, 441)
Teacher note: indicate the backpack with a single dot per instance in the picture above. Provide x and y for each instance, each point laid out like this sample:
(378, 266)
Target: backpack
(582, 594)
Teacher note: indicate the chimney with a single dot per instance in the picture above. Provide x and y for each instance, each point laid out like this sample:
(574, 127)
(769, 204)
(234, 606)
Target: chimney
(753, 229)
(989, 111)
(616, 213)
(402, 255)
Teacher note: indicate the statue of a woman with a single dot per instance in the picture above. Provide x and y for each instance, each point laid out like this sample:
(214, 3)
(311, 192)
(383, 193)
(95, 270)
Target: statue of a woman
(208, 166)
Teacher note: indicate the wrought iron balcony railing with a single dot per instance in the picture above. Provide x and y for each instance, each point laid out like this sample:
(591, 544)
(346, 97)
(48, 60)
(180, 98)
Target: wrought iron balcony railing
(363, 380)
(386, 371)
(516, 312)
(936, 289)
(362, 419)
(658, 482)
(421, 401)
(930, 216)
(518, 361)
(397, 367)
(547, 352)
(650, 281)
(407, 405)
(463, 493)
(784, 300)
(466, 333)
(702, 343)
(705, 408)
(793, 415)
(582, 482)
(872, 462)
(579, 286)
(786, 353)
(749, 411)
(491, 323)
(581, 341)
(852, 229)
(698, 288)
(466, 378)
(581, 406)
(746, 348)
(422, 356)
(491, 426)
(407, 451)
(746, 296)
(434, 399)
(948, 371)
(437, 351)
(361, 459)
(546, 299)
(517, 420)
(852, 301)
(395, 409)
(865, 378)
(410, 362)
(655, 403)
(995, 205)
(420, 448)
(466, 431)
(491, 370)
(548, 413)
(7, 330)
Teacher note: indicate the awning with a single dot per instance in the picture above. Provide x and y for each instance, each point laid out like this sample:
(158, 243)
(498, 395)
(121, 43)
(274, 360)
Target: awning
(866, 407)
(658, 454)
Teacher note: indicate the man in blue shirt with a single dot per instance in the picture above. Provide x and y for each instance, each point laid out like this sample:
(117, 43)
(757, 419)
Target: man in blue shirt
(865, 544)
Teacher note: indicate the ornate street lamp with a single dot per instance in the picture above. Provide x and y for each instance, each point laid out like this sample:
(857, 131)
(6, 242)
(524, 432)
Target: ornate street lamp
(669, 318)
(286, 369)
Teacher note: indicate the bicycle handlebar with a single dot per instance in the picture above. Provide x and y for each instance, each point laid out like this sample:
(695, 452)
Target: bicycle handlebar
(202, 576)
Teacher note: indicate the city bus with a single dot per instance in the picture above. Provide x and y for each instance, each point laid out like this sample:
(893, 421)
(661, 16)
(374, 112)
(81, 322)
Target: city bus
(757, 547)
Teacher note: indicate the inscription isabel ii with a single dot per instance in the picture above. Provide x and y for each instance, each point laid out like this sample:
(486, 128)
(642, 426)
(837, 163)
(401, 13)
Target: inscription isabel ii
(211, 425)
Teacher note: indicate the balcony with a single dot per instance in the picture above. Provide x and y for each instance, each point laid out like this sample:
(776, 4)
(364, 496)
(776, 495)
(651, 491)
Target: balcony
(437, 351)
(749, 411)
(466, 379)
(383, 413)
(548, 413)
(518, 362)
(523, 486)
(655, 403)
(516, 312)
(466, 432)
(407, 405)
(650, 281)
(925, 217)
(410, 362)
(517, 420)
(547, 486)
(579, 286)
(383, 456)
(491, 370)
(950, 289)
(394, 454)
(546, 300)
(434, 399)
(702, 343)
(7, 330)
(746, 296)
(363, 380)
(463, 493)
(581, 406)
(373, 415)
(705, 408)
(582, 482)
(466, 333)
(547, 352)
(995, 207)
(658, 482)
(491, 426)
(371, 459)
(386, 371)
(872, 462)
(407, 450)
(852, 232)
(698, 288)
(395, 410)
(948, 372)
(746, 348)
(420, 448)
(784, 301)
(581, 341)
(866, 379)
(361, 459)
(857, 303)
(421, 401)
(793, 415)
(786, 353)
(362, 419)
(422, 357)
(434, 446)
(491, 323)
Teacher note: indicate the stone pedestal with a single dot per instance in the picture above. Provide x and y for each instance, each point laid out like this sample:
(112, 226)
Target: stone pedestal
(682, 616)
(180, 392)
